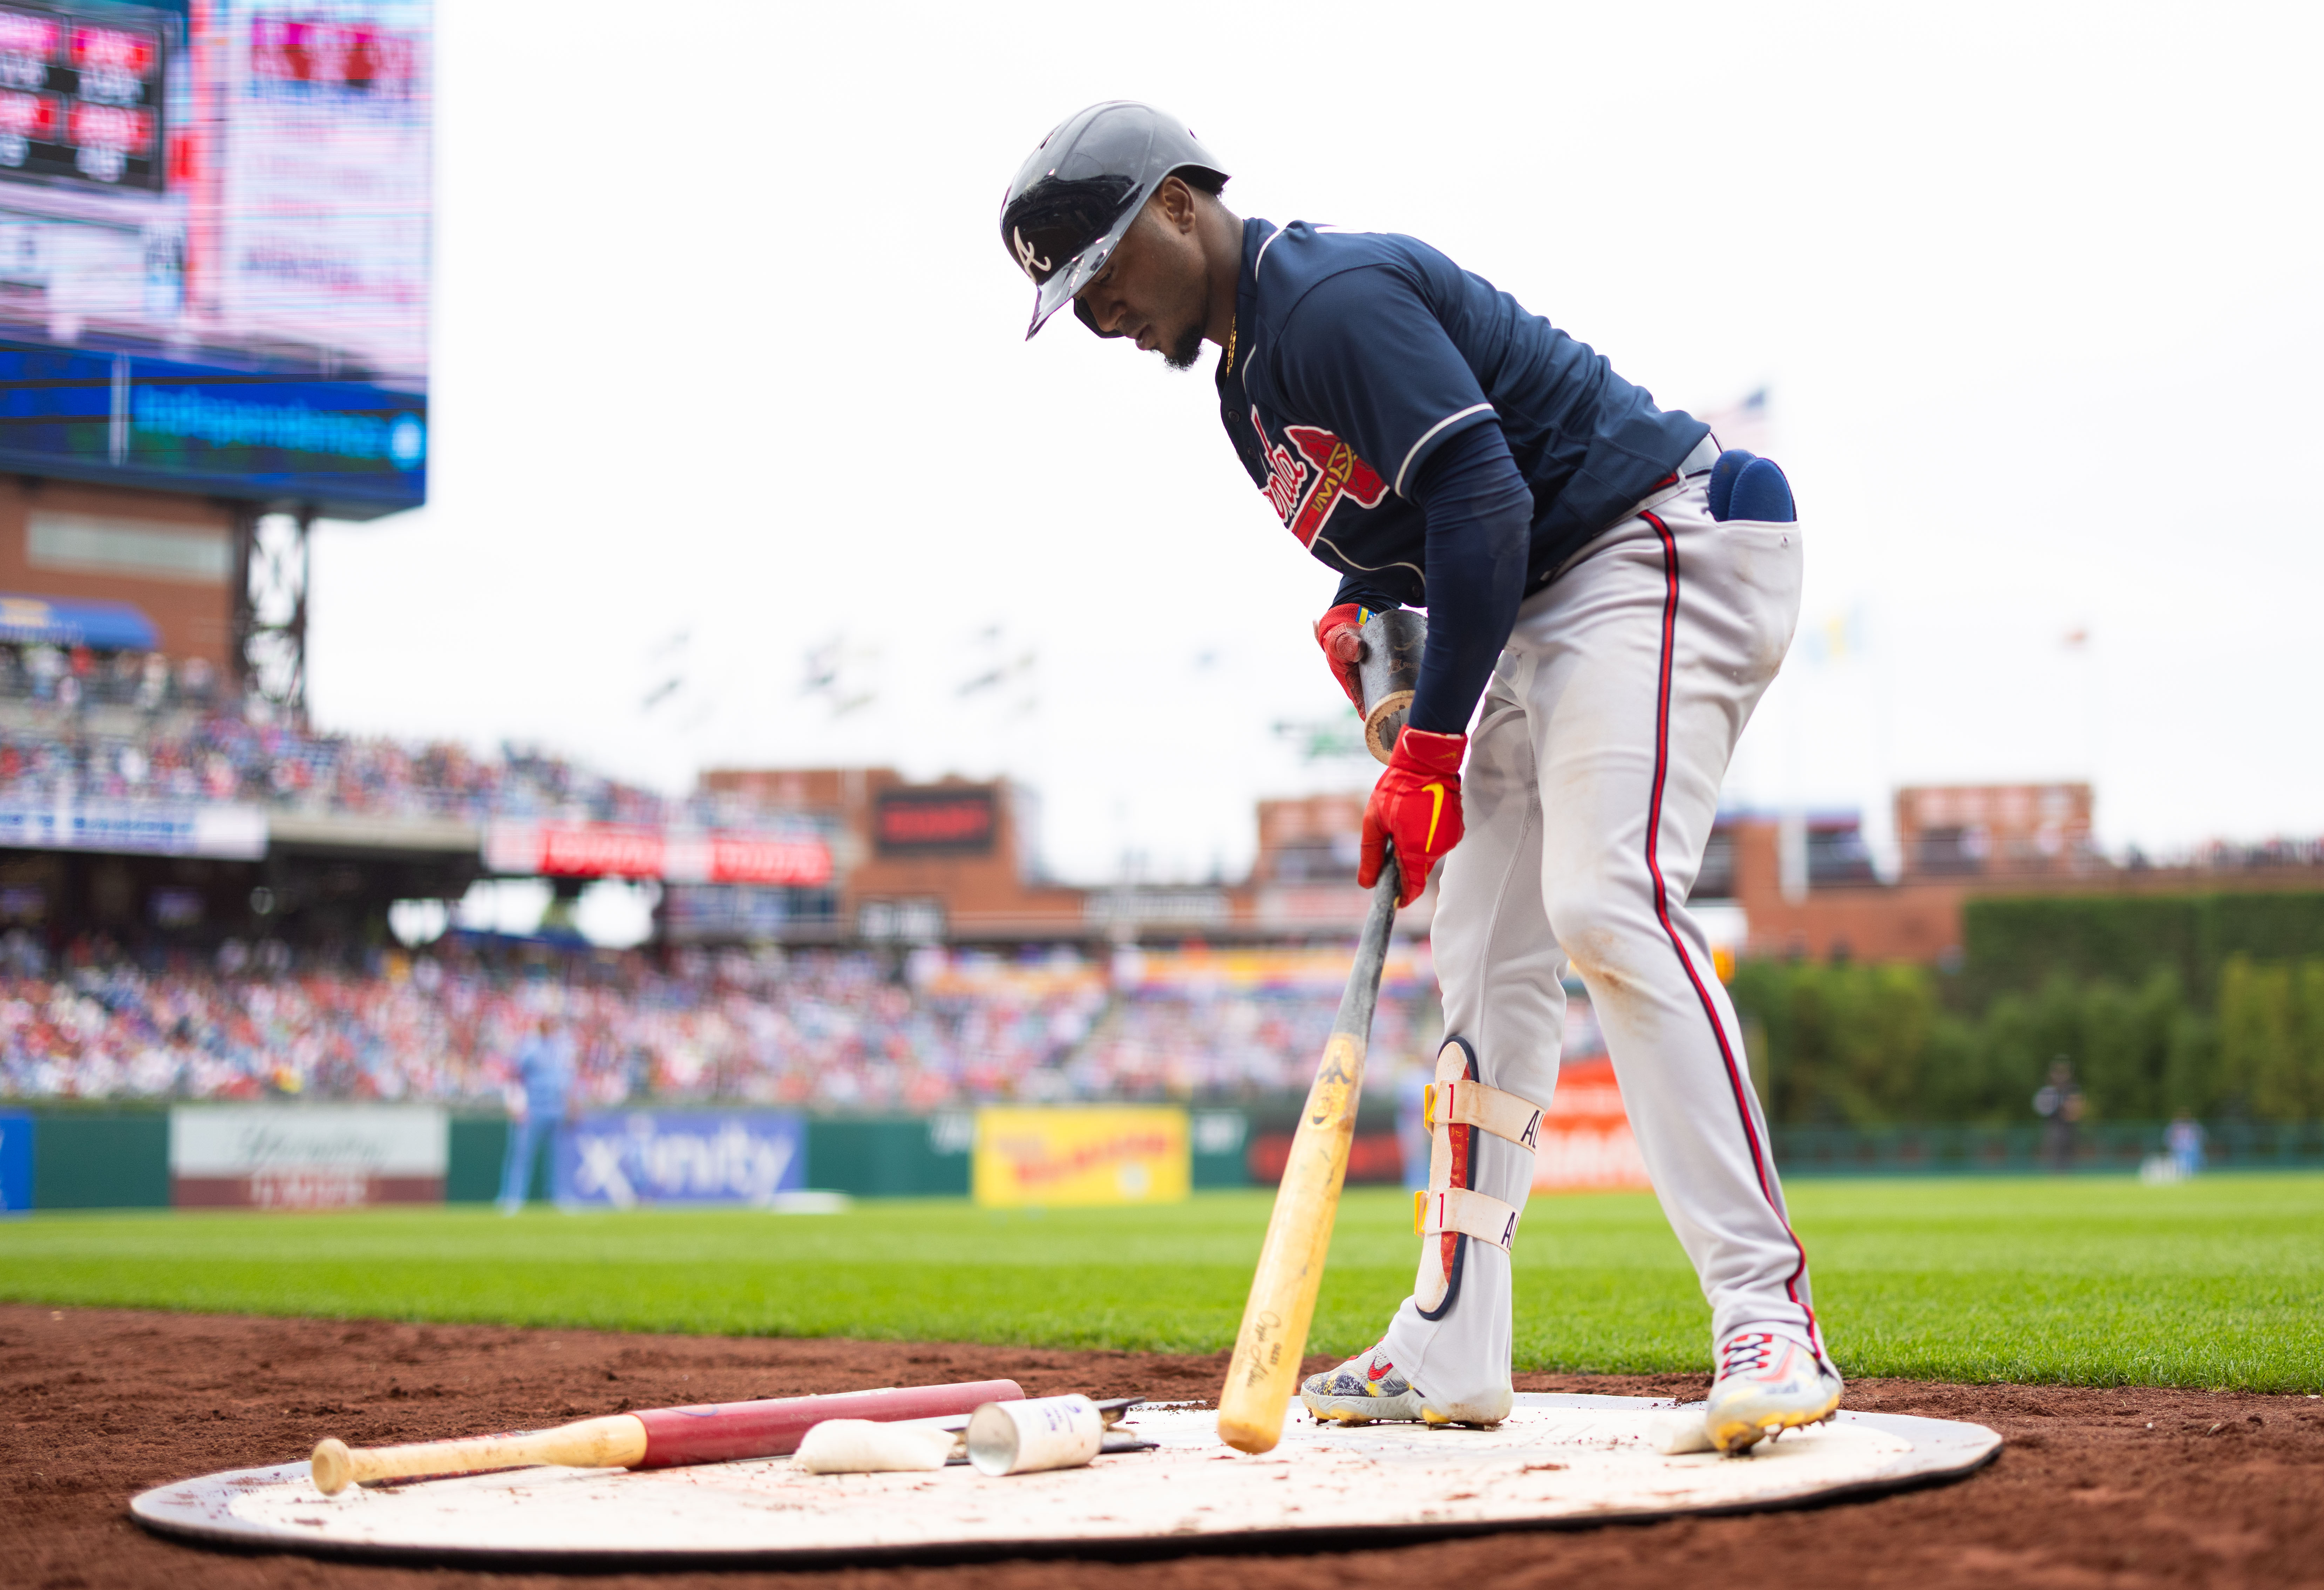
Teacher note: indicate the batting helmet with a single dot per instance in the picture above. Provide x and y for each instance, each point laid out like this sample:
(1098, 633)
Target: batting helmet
(1079, 191)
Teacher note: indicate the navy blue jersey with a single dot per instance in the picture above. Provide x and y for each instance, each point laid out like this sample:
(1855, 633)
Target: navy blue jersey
(1357, 354)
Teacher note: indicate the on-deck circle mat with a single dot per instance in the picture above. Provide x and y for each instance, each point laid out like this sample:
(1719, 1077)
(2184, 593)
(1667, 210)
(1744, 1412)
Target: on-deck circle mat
(1558, 1460)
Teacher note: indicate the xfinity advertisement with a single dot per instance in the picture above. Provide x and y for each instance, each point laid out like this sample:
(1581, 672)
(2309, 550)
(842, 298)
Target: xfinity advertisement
(636, 1156)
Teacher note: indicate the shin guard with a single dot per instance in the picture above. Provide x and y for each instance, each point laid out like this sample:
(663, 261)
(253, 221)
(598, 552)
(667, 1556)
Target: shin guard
(1452, 1213)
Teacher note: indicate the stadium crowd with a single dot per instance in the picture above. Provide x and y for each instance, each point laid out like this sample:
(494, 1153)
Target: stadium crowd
(74, 725)
(1232, 1043)
(829, 1030)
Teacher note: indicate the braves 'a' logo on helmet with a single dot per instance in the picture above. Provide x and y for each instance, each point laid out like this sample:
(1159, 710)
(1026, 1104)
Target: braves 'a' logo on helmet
(1306, 485)
(1035, 268)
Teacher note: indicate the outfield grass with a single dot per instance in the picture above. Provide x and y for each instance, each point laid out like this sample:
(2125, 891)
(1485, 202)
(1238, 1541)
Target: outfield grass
(2218, 1283)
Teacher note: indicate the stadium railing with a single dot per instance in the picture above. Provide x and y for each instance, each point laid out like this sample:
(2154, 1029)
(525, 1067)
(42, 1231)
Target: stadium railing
(2096, 1146)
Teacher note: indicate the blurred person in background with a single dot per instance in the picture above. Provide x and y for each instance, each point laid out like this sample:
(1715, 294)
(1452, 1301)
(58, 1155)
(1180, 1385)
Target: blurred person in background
(545, 1101)
(2058, 1101)
(2184, 1138)
(1412, 1121)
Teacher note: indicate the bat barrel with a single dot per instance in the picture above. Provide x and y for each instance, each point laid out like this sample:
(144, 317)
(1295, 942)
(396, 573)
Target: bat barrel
(722, 1432)
(1264, 1371)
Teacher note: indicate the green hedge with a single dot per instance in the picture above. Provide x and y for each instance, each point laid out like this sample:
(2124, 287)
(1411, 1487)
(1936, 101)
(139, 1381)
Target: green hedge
(2017, 945)
(1876, 1046)
(2271, 1037)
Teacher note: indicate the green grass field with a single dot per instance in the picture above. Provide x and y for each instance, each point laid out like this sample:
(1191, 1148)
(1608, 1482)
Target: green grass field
(2218, 1283)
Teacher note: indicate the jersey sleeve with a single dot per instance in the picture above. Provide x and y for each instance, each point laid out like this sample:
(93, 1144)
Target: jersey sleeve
(1363, 355)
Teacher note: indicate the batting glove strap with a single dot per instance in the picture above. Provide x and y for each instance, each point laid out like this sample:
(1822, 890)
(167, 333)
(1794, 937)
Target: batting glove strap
(1470, 1214)
(1427, 755)
(1415, 804)
(1472, 1104)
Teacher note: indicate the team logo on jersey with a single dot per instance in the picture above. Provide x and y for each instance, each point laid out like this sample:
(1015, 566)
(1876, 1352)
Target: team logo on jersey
(1306, 485)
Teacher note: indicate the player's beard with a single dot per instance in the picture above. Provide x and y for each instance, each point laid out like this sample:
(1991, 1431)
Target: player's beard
(1182, 354)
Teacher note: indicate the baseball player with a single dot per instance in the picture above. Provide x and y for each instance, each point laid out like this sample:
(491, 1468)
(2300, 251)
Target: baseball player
(1608, 597)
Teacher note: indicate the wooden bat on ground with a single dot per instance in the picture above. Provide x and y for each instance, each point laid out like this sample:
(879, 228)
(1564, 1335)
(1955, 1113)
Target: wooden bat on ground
(652, 1437)
(1265, 1370)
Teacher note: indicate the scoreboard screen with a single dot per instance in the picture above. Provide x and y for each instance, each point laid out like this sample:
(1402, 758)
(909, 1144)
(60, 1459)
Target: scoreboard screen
(81, 98)
(214, 248)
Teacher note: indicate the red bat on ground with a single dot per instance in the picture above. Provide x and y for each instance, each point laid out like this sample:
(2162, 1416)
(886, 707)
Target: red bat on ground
(652, 1437)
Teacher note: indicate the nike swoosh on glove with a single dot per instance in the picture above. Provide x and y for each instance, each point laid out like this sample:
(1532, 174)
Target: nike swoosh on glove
(1343, 648)
(1416, 805)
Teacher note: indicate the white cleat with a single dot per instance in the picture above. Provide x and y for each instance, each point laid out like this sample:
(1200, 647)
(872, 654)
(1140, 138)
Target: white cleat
(1768, 1384)
(1366, 1388)
(1476, 1416)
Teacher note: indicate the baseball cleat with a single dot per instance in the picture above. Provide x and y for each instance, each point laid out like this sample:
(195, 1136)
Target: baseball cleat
(1475, 1416)
(1767, 1385)
(1366, 1388)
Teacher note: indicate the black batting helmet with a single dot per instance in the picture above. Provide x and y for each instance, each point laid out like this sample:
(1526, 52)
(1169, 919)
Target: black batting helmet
(1078, 193)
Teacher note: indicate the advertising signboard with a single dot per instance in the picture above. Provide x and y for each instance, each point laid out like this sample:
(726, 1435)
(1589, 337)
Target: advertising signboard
(306, 1156)
(16, 1162)
(1585, 1136)
(612, 850)
(621, 1160)
(214, 247)
(702, 913)
(1068, 1156)
(135, 827)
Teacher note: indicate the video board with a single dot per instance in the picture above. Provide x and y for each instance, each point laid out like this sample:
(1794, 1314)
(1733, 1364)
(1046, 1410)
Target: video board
(81, 97)
(214, 248)
(935, 820)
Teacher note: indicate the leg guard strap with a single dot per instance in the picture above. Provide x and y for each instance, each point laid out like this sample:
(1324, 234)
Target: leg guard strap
(1472, 1104)
(1465, 1212)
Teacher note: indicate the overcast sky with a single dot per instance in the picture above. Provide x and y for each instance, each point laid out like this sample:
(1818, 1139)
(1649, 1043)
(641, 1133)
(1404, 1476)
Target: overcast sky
(729, 370)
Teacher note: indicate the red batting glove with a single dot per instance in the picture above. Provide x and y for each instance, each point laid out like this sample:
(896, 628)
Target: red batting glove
(1416, 805)
(1335, 632)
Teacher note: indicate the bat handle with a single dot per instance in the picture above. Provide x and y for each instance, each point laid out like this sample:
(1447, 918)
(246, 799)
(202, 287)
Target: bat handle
(618, 1440)
(1388, 672)
(334, 1465)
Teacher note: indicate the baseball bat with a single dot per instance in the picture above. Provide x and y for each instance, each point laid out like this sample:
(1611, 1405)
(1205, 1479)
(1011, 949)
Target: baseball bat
(1264, 1371)
(1387, 669)
(651, 1437)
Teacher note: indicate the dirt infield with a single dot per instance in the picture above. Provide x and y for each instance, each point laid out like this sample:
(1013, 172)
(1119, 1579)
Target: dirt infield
(2115, 1487)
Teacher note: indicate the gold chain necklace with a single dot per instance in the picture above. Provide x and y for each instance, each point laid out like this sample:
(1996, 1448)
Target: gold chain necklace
(1228, 368)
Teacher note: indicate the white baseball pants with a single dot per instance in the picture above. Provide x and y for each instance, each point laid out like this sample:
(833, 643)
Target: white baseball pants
(1592, 780)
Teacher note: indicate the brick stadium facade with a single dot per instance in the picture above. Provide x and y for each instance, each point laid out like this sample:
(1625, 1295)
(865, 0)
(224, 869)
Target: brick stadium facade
(1957, 843)
(170, 556)
(955, 862)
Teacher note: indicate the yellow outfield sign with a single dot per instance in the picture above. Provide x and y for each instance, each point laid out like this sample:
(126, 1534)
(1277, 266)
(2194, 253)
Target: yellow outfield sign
(1067, 1156)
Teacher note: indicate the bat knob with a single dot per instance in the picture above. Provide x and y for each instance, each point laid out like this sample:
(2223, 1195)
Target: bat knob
(334, 1466)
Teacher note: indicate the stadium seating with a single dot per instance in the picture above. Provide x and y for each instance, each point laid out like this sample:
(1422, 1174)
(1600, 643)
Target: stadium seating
(77, 726)
(824, 1029)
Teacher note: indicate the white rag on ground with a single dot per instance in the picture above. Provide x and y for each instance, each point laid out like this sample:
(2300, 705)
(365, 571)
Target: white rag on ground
(1671, 1431)
(868, 1446)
